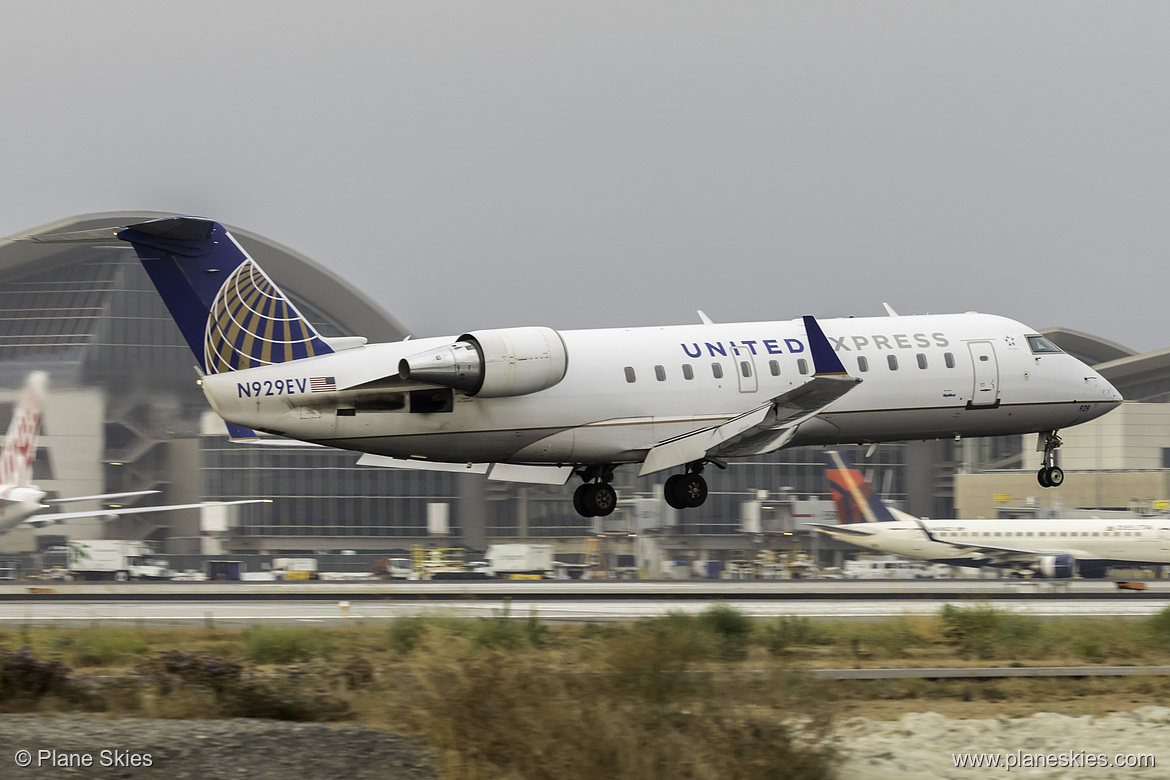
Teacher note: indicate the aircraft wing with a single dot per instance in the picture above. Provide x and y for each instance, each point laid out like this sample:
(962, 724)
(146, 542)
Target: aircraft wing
(40, 521)
(499, 472)
(844, 530)
(769, 426)
(100, 496)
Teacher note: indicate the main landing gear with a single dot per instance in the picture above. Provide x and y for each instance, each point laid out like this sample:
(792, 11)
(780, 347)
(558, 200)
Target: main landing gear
(689, 490)
(595, 498)
(1050, 475)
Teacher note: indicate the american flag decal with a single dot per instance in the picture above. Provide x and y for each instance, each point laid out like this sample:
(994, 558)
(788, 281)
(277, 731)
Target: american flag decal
(322, 384)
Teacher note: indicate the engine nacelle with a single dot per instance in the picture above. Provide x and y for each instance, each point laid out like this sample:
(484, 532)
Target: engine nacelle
(1058, 566)
(493, 363)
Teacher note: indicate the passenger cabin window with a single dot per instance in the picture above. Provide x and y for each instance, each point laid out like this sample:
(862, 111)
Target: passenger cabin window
(660, 373)
(774, 367)
(630, 377)
(949, 359)
(688, 372)
(1041, 345)
(717, 370)
(862, 364)
(802, 366)
(892, 360)
(745, 368)
(921, 360)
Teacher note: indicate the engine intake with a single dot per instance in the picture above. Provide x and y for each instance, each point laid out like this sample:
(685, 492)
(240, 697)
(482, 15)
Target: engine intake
(1058, 566)
(492, 363)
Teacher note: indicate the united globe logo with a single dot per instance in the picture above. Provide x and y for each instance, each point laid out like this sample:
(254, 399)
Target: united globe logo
(253, 324)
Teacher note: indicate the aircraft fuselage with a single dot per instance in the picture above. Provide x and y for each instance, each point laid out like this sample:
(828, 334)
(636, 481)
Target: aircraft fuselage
(625, 390)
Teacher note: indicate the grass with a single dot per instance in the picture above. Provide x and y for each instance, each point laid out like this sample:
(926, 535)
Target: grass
(508, 696)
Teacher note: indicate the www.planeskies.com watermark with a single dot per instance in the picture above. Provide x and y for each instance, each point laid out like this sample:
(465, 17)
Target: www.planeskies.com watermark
(1070, 759)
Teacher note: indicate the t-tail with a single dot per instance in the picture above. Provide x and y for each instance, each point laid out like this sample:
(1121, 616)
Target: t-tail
(856, 499)
(232, 315)
(20, 444)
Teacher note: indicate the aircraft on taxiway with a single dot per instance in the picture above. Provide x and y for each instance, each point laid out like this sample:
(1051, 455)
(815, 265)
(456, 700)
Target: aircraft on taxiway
(533, 404)
(1052, 547)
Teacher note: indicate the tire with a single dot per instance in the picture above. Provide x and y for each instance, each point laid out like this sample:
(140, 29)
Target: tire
(693, 490)
(1055, 476)
(121, 576)
(670, 491)
(579, 501)
(1042, 478)
(600, 499)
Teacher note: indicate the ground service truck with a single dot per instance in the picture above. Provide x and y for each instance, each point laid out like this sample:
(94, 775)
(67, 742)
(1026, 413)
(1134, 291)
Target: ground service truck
(114, 559)
(521, 561)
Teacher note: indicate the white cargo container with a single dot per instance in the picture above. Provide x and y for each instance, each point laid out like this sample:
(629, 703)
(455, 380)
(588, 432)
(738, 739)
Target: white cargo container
(508, 560)
(116, 559)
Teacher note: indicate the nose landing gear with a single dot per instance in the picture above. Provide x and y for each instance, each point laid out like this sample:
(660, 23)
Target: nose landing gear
(1050, 475)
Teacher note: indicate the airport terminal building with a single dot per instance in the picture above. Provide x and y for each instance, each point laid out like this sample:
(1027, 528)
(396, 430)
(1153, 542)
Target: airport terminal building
(123, 413)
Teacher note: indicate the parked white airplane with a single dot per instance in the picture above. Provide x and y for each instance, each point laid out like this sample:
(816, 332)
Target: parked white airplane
(20, 501)
(1049, 548)
(533, 404)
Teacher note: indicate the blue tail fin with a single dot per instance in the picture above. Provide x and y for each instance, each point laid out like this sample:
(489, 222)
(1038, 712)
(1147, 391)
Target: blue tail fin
(230, 312)
(856, 500)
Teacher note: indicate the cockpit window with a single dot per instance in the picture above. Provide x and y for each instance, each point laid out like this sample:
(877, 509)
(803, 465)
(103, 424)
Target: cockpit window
(1039, 344)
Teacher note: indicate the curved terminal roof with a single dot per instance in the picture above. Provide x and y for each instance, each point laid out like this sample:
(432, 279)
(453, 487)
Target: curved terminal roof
(1089, 348)
(296, 274)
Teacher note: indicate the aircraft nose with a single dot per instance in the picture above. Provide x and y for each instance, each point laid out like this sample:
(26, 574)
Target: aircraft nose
(1109, 393)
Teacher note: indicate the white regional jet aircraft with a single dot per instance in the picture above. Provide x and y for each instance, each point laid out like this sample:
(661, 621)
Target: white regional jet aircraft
(533, 404)
(1049, 548)
(20, 501)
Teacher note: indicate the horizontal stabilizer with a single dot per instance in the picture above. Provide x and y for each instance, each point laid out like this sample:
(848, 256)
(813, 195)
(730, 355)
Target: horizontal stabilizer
(238, 434)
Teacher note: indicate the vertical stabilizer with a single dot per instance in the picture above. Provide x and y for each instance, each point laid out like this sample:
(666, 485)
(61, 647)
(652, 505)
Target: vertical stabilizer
(20, 444)
(232, 315)
(856, 500)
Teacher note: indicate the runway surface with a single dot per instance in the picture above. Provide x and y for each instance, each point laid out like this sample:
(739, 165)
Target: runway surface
(573, 602)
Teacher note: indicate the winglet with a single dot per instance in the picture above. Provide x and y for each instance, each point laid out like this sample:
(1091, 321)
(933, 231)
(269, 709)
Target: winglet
(925, 530)
(825, 360)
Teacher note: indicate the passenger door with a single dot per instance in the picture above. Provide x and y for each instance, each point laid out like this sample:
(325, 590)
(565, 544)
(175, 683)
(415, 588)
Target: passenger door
(985, 384)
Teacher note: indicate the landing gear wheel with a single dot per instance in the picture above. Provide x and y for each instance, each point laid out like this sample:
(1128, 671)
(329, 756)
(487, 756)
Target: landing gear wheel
(672, 494)
(579, 501)
(600, 499)
(1050, 474)
(692, 490)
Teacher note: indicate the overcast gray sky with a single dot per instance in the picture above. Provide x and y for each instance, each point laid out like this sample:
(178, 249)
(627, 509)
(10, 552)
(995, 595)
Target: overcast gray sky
(604, 164)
